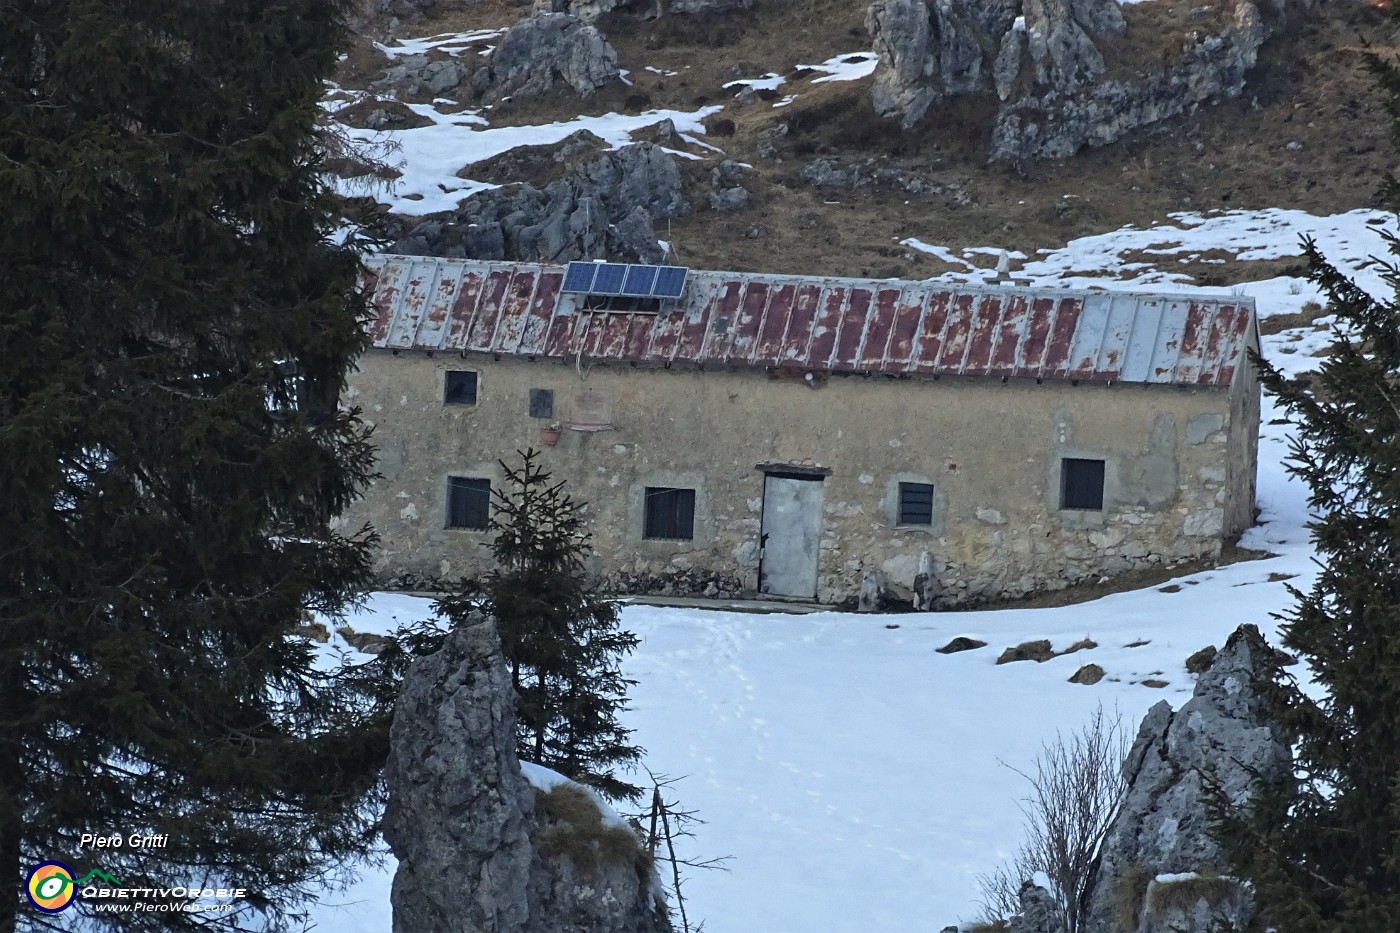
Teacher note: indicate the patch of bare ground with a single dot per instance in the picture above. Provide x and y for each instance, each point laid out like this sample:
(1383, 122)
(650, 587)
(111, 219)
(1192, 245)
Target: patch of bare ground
(1278, 323)
(1126, 582)
(399, 116)
(1310, 132)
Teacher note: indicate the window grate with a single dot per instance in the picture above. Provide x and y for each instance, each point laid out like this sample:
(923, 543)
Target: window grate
(541, 403)
(670, 514)
(915, 504)
(459, 387)
(1081, 484)
(468, 502)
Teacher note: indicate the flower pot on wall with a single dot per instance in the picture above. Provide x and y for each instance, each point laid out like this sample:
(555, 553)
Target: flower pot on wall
(549, 436)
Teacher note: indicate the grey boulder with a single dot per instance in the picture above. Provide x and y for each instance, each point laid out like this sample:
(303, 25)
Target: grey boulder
(546, 50)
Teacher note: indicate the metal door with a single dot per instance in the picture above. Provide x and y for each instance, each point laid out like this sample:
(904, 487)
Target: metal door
(791, 535)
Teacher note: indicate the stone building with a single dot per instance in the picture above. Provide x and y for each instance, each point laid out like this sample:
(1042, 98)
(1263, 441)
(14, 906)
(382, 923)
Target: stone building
(810, 437)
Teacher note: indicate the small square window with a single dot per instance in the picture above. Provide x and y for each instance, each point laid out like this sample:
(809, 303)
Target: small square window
(915, 504)
(459, 387)
(670, 514)
(1081, 484)
(541, 403)
(468, 502)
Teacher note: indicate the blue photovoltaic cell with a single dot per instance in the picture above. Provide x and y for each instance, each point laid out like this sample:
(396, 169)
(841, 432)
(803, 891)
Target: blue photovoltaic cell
(670, 282)
(579, 278)
(639, 281)
(609, 279)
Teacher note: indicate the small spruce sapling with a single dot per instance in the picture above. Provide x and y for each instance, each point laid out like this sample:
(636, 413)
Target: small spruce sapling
(561, 639)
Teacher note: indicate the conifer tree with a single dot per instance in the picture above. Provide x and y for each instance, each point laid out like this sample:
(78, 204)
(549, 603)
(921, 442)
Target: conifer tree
(561, 640)
(175, 329)
(1321, 846)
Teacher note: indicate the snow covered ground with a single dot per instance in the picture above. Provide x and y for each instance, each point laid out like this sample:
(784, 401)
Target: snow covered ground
(860, 780)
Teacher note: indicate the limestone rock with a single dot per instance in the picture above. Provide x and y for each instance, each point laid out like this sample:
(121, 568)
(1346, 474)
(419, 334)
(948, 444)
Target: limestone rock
(1076, 111)
(1039, 913)
(1099, 17)
(929, 51)
(1162, 828)
(728, 199)
(728, 174)
(458, 805)
(587, 10)
(925, 584)
(768, 140)
(1006, 68)
(1064, 55)
(604, 208)
(708, 6)
(543, 50)
(479, 849)
(958, 49)
(900, 31)
(872, 592)
(419, 76)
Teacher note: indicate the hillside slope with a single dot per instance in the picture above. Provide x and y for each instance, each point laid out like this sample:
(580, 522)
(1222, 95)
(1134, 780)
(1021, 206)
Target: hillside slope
(1308, 133)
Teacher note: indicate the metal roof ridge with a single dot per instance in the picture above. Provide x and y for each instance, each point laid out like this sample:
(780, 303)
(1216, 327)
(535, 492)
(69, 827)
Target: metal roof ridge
(976, 288)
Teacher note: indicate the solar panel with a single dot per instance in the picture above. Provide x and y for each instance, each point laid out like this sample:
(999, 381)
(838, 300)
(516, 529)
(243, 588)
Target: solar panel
(579, 278)
(670, 282)
(615, 278)
(639, 281)
(609, 279)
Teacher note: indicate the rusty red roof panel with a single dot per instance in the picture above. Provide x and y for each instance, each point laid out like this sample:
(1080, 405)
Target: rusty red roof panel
(820, 323)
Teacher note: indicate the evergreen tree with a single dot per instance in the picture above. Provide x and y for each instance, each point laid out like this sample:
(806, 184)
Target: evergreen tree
(561, 640)
(1322, 846)
(175, 329)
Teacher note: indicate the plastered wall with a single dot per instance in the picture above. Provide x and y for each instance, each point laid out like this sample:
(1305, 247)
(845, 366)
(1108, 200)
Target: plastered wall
(1179, 471)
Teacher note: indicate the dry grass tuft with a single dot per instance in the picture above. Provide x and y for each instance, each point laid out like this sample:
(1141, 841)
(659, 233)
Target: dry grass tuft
(1214, 889)
(995, 926)
(1278, 323)
(1038, 650)
(1128, 895)
(570, 824)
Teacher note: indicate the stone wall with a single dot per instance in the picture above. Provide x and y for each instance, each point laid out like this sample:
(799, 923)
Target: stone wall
(992, 452)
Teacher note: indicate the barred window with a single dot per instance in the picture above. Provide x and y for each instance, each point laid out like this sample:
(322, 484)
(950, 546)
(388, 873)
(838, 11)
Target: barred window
(468, 502)
(1081, 484)
(670, 514)
(915, 504)
(459, 387)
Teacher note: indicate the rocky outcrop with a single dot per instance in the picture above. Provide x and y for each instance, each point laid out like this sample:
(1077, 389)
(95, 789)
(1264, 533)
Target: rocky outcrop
(1039, 912)
(1060, 92)
(694, 7)
(545, 50)
(1055, 124)
(727, 182)
(592, 9)
(1158, 854)
(459, 806)
(1064, 55)
(419, 76)
(928, 52)
(603, 209)
(480, 849)
(588, 10)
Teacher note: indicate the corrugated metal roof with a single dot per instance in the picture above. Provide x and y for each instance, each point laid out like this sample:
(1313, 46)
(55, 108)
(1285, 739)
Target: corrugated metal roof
(822, 323)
